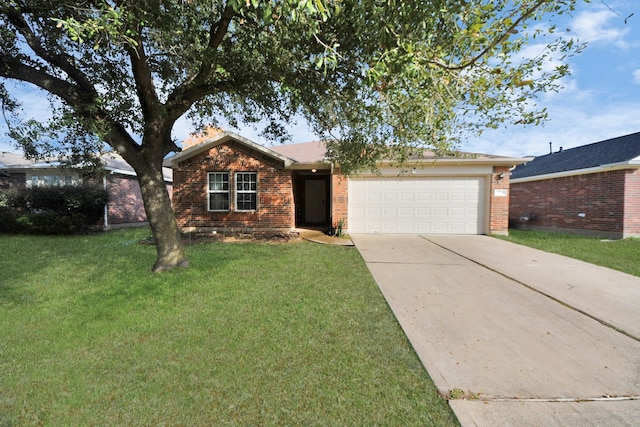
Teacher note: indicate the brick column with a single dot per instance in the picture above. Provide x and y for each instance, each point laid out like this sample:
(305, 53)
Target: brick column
(499, 201)
(339, 200)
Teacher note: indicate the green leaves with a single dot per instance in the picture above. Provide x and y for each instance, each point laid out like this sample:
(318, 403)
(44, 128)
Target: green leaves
(104, 25)
(376, 78)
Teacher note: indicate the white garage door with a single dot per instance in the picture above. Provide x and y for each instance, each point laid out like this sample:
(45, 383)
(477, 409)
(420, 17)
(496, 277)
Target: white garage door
(433, 205)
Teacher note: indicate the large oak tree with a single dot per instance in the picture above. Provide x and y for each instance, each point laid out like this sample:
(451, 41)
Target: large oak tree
(372, 77)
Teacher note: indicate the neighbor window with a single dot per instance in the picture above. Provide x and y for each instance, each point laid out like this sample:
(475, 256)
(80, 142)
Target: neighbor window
(246, 191)
(52, 180)
(218, 191)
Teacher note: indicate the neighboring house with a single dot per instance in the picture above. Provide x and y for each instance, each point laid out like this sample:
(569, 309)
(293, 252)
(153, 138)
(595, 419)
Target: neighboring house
(231, 183)
(593, 189)
(125, 207)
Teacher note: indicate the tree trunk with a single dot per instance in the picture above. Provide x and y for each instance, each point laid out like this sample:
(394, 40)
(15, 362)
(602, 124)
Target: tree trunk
(163, 223)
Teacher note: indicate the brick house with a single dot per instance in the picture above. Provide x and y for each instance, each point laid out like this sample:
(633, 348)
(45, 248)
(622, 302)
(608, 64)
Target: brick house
(230, 183)
(125, 207)
(593, 189)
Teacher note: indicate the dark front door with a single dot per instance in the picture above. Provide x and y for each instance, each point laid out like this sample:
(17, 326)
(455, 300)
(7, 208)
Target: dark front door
(315, 201)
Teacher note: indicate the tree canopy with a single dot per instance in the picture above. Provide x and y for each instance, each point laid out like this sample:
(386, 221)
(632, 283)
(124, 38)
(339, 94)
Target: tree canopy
(374, 78)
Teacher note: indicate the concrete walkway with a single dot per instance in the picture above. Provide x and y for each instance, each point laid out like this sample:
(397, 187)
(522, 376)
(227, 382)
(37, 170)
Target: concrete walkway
(513, 335)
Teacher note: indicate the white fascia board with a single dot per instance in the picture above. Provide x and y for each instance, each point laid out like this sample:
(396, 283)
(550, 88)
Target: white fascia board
(484, 161)
(631, 164)
(423, 170)
(308, 166)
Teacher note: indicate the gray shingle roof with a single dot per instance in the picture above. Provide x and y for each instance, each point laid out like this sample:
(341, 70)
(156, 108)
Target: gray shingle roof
(611, 151)
(112, 162)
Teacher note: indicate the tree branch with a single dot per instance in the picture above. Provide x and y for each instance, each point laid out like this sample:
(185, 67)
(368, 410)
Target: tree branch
(504, 36)
(56, 60)
(82, 102)
(194, 88)
(144, 80)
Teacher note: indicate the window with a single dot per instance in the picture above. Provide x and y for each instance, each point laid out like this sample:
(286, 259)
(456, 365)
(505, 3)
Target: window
(52, 180)
(246, 191)
(218, 191)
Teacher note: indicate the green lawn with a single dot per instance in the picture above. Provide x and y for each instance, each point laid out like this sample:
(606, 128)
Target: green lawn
(622, 255)
(252, 334)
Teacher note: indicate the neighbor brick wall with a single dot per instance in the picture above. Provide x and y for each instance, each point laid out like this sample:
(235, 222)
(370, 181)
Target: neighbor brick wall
(275, 194)
(556, 203)
(125, 200)
(339, 200)
(499, 204)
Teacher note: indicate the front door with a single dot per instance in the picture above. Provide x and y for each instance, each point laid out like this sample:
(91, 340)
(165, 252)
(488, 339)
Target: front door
(315, 201)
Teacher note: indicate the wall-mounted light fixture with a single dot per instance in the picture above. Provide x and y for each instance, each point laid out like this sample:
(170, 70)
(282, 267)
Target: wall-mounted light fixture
(500, 176)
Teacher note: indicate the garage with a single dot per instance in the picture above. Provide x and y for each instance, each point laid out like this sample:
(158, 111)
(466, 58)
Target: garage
(427, 205)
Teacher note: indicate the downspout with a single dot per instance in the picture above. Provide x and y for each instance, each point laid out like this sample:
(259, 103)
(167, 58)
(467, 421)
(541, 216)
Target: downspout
(106, 205)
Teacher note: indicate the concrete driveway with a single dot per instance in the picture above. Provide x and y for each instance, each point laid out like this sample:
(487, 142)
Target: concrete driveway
(515, 336)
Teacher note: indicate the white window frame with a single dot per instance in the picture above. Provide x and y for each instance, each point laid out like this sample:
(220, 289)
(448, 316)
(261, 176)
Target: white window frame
(218, 190)
(33, 179)
(244, 187)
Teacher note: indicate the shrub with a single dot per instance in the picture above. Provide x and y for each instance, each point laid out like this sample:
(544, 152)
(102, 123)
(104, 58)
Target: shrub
(52, 210)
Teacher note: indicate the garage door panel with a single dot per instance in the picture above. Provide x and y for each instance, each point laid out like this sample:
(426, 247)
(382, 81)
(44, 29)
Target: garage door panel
(407, 197)
(390, 212)
(416, 205)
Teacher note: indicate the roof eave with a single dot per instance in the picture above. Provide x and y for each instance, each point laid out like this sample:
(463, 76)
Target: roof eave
(484, 161)
(322, 165)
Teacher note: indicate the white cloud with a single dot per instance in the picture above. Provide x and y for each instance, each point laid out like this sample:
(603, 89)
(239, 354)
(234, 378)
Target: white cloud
(636, 76)
(594, 27)
(572, 125)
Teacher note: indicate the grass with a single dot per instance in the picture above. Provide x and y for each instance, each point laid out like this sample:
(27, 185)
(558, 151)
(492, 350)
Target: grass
(622, 255)
(252, 334)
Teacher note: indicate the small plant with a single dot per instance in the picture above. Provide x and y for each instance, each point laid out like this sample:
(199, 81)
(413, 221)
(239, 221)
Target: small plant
(337, 231)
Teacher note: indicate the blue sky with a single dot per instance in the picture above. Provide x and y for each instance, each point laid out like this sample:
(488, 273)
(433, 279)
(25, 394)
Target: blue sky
(600, 100)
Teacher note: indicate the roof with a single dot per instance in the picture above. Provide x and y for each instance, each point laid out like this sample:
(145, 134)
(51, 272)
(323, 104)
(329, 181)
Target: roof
(620, 152)
(315, 151)
(8, 160)
(313, 154)
(304, 152)
(113, 162)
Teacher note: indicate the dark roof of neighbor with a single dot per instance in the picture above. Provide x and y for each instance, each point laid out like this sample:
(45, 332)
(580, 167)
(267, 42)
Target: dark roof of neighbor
(608, 152)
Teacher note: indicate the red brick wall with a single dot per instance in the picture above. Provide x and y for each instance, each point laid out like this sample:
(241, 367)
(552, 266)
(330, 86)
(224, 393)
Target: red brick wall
(499, 201)
(339, 200)
(275, 195)
(558, 203)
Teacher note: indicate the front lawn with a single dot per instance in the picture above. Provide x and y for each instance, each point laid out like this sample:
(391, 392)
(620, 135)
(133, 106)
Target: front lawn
(622, 255)
(252, 334)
